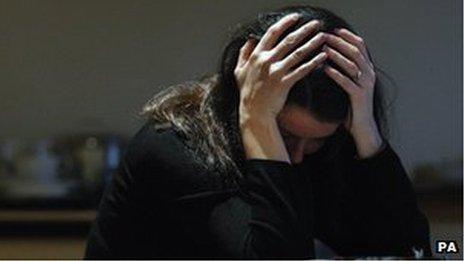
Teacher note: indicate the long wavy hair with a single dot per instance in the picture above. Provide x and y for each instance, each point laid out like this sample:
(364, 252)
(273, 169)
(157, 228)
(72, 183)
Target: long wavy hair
(205, 111)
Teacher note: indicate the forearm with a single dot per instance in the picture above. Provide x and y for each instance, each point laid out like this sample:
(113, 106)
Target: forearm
(380, 216)
(275, 228)
(368, 140)
(261, 138)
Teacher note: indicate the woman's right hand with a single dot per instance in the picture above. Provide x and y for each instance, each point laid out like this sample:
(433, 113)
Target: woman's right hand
(264, 76)
(264, 73)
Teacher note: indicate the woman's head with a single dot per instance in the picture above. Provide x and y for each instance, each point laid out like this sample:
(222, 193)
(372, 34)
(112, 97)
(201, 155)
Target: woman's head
(206, 111)
(303, 133)
(316, 99)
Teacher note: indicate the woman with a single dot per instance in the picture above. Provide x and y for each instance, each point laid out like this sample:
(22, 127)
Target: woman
(285, 145)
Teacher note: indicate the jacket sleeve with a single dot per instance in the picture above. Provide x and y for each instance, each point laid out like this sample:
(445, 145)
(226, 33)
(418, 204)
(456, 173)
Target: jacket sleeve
(120, 228)
(274, 228)
(262, 222)
(379, 214)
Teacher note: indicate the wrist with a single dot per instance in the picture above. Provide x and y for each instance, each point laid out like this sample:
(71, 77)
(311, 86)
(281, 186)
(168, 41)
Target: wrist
(262, 140)
(368, 141)
(364, 128)
(257, 125)
(248, 118)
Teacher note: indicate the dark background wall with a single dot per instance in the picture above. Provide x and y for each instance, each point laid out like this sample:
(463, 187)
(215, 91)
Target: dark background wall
(74, 66)
(89, 66)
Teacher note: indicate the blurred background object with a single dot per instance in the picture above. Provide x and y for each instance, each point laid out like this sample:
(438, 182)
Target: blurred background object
(74, 74)
(65, 172)
(49, 191)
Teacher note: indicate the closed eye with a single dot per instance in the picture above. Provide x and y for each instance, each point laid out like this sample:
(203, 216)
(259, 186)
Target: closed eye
(323, 138)
(284, 132)
(287, 135)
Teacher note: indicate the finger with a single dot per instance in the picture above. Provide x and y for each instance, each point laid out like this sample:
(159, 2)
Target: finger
(305, 69)
(289, 42)
(348, 50)
(299, 54)
(348, 66)
(346, 83)
(354, 40)
(274, 31)
(245, 52)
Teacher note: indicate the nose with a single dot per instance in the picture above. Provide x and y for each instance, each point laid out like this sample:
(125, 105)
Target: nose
(297, 151)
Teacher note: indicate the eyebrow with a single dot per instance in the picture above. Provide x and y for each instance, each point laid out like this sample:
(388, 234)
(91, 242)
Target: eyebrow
(286, 132)
(324, 137)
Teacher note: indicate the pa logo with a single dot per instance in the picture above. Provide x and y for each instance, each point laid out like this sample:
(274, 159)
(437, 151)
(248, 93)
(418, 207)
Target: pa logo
(446, 246)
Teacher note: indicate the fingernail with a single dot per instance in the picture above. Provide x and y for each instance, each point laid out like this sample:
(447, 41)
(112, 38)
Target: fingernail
(253, 36)
(295, 16)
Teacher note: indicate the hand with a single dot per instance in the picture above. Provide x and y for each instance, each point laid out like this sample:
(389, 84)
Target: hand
(263, 73)
(264, 76)
(351, 55)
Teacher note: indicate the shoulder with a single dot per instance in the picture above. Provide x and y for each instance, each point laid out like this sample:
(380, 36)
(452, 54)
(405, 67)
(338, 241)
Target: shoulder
(152, 145)
(158, 157)
(150, 137)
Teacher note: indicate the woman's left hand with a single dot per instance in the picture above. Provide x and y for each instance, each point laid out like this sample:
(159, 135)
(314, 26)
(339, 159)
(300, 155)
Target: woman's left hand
(349, 52)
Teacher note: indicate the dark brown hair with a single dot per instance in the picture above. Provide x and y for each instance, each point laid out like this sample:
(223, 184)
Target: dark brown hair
(205, 111)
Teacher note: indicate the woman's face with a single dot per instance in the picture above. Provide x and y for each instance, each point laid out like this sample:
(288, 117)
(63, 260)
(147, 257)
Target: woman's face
(302, 132)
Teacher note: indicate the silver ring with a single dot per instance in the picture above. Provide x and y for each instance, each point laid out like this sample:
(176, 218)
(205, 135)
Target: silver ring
(358, 76)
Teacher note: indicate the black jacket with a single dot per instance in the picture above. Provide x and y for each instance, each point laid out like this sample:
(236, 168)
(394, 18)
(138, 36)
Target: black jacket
(163, 205)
